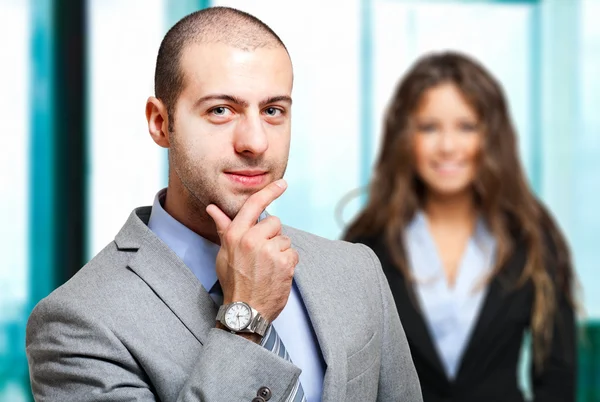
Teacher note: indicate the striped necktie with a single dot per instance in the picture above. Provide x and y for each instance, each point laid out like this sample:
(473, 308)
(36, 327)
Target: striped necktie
(270, 341)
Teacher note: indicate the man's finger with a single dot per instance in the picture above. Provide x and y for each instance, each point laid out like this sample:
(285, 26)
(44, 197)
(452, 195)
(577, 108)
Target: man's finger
(267, 228)
(222, 221)
(281, 242)
(257, 203)
(292, 257)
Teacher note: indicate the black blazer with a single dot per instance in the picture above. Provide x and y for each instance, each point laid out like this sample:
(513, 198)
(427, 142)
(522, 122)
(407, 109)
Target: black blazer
(488, 370)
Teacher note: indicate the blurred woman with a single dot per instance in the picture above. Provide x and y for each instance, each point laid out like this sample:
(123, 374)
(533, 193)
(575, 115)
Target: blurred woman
(473, 258)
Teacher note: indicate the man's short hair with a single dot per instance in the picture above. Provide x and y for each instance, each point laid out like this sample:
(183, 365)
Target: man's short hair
(211, 25)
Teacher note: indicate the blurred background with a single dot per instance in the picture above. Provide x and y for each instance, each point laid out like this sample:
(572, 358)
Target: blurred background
(76, 157)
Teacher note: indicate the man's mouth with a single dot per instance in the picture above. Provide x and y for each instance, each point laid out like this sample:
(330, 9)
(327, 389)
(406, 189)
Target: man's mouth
(247, 177)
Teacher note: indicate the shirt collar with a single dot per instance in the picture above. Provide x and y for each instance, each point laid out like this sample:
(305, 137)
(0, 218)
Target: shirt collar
(198, 253)
(482, 237)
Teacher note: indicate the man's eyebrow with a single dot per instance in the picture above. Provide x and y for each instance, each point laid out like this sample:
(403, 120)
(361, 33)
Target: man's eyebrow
(222, 97)
(241, 102)
(274, 99)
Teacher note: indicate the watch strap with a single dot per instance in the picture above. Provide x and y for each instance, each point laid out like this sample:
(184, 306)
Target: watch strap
(259, 324)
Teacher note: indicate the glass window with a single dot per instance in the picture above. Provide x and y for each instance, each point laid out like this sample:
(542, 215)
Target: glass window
(126, 167)
(586, 175)
(14, 181)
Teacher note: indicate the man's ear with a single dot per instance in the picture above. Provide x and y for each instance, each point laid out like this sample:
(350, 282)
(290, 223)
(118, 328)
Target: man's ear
(158, 121)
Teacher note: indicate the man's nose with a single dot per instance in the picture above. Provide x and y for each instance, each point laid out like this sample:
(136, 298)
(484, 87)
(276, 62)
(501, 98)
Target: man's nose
(251, 137)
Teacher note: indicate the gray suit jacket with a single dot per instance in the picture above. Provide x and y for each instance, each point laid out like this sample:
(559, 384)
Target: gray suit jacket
(135, 324)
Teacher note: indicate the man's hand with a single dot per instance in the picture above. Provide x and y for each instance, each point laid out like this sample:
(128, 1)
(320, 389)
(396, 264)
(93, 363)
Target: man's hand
(256, 262)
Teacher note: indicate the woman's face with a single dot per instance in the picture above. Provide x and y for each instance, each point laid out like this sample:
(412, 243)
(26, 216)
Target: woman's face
(447, 141)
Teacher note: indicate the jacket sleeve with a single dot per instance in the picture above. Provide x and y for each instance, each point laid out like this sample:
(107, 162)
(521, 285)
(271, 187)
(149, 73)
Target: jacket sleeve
(556, 382)
(557, 379)
(398, 380)
(73, 357)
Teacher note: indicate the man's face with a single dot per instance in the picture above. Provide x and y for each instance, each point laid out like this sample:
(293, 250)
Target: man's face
(232, 123)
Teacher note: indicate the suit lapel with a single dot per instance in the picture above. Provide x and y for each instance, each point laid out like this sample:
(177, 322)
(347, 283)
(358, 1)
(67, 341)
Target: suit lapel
(414, 324)
(172, 281)
(499, 288)
(488, 315)
(311, 288)
(408, 308)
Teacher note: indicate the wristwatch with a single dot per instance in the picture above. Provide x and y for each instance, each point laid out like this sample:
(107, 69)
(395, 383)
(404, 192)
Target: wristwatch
(240, 317)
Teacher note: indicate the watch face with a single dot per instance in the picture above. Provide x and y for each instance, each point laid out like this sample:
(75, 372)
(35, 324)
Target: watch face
(237, 316)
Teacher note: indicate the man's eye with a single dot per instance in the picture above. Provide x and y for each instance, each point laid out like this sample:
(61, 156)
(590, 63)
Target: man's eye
(272, 111)
(219, 111)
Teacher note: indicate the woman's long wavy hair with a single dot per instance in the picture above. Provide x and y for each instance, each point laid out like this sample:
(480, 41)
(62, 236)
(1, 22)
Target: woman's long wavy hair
(504, 199)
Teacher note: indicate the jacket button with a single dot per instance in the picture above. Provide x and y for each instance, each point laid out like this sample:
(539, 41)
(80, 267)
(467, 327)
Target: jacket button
(258, 399)
(264, 393)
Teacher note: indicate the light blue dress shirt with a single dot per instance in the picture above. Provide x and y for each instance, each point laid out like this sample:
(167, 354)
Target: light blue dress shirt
(293, 324)
(450, 312)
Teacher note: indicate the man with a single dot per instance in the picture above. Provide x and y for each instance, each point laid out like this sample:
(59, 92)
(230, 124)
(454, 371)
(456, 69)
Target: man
(204, 297)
